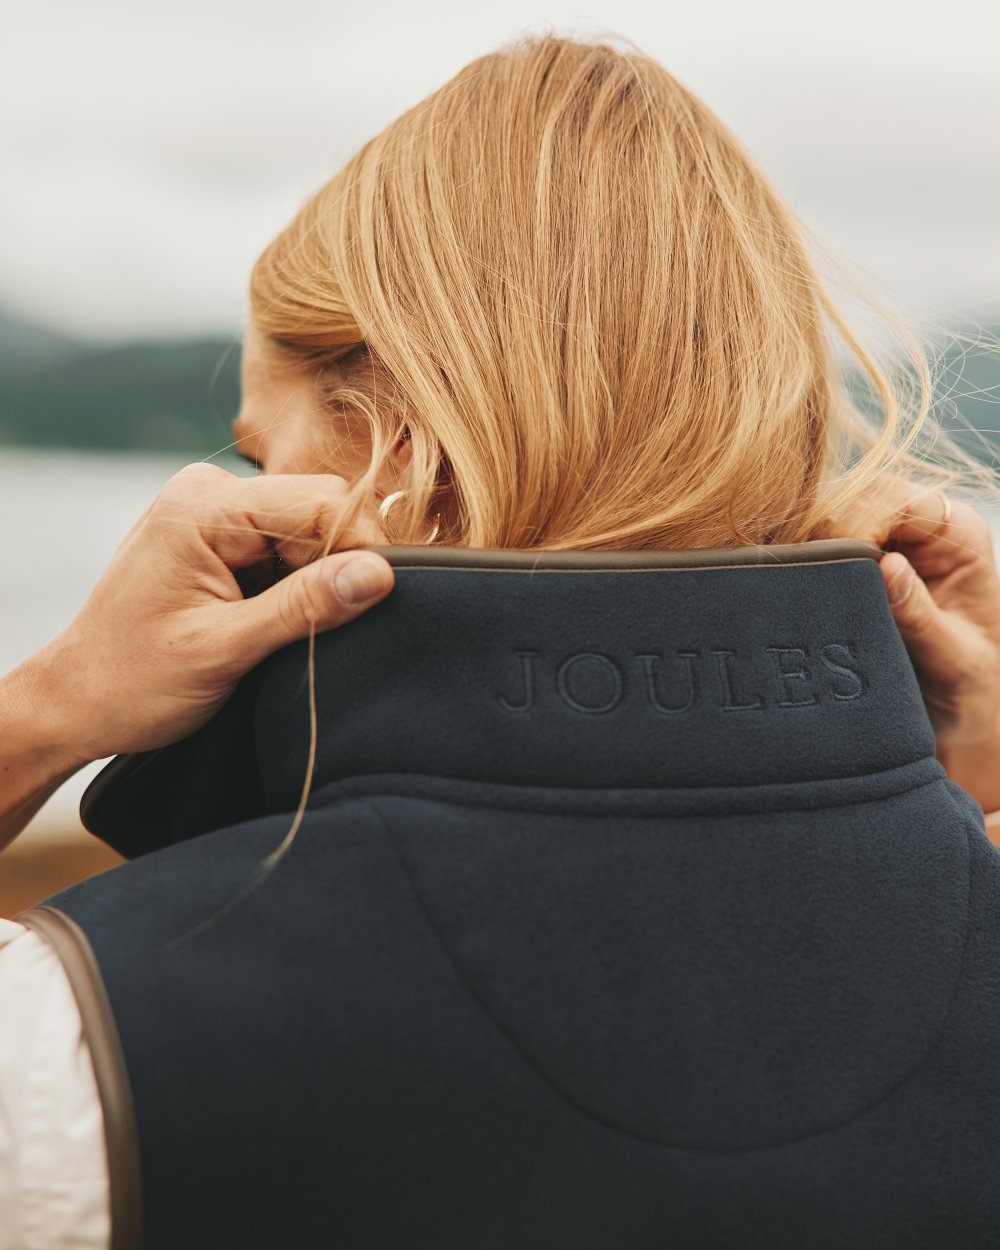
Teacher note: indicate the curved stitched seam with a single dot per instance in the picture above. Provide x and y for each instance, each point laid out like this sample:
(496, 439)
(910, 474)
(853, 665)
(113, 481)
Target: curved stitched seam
(483, 804)
(736, 785)
(606, 1123)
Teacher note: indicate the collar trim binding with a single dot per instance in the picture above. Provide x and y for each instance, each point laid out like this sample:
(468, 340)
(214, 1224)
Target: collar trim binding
(483, 559)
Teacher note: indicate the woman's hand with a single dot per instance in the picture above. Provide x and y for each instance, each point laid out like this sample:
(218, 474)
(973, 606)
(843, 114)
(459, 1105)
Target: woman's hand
(944, 592)
(167, 633)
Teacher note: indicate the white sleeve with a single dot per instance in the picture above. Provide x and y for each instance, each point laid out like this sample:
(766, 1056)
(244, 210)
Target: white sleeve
(53, 1168)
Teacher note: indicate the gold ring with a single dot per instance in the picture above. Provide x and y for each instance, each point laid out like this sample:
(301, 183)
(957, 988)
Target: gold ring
(947, 507)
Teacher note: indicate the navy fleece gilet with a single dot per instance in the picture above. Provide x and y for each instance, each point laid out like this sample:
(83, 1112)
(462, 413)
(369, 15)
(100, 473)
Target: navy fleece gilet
(631, 910)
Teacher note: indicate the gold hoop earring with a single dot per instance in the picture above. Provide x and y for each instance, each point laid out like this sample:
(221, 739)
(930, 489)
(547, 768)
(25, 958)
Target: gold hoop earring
(389, 500)
(386, 504)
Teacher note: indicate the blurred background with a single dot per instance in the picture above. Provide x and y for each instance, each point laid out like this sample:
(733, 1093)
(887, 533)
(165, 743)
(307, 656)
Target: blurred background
(149, 153)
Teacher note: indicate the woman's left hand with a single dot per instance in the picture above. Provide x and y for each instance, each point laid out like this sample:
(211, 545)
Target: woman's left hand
(943, 588)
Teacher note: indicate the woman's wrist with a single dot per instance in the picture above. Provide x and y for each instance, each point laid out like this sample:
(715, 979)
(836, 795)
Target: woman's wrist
(36, 751)
(975, 765)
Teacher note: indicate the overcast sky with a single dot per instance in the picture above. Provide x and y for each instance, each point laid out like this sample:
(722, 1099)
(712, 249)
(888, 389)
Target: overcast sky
(149, 151)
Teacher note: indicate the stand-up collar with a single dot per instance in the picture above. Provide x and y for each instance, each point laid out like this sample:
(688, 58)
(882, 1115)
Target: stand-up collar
(723, 667)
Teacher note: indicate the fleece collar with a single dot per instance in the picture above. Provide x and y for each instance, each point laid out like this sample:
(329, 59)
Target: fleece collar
(730, 667)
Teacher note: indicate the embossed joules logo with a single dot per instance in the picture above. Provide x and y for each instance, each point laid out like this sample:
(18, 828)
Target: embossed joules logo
(676, 682)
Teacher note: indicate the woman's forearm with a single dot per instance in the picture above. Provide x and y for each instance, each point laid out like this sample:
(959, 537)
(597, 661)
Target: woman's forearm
(34, 759)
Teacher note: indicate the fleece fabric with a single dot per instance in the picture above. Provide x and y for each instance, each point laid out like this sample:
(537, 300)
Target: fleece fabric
(630, 910)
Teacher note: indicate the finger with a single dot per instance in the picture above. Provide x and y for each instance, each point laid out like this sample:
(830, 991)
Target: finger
(924, 627)
(898, 515)
(243, 520)
(963, 538)
(298, 513)
(893, 504)
(326, 593)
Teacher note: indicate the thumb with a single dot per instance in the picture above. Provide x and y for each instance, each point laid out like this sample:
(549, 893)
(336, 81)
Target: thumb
(920, 621)
(326, 593)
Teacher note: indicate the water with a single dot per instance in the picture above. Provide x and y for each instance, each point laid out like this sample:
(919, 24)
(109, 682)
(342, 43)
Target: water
(63, 514)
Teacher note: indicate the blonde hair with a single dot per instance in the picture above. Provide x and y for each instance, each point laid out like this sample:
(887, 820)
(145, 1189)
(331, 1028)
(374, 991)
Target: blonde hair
(566, 282)
(597, 322)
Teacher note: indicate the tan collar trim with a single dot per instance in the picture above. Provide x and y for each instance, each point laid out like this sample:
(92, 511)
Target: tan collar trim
(820, 551)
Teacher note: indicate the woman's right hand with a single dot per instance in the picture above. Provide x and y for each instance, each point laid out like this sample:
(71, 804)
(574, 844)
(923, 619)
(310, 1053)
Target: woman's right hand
(943, 587)
(167, 632)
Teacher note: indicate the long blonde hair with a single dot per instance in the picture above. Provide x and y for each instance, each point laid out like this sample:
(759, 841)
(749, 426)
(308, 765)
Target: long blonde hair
(566, 281)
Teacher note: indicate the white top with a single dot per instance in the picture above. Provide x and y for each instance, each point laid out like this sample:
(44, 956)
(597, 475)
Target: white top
(53, 1169)
(53, 1164)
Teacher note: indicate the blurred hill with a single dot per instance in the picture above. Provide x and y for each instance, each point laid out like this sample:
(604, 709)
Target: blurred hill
(176, 396)
(181, 396)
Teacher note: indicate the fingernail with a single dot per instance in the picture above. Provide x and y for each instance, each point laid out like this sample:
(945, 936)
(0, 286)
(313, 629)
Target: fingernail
(360, 580)
(898, 586)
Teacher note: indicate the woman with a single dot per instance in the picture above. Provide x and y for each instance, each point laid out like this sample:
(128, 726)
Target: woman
(634, 893)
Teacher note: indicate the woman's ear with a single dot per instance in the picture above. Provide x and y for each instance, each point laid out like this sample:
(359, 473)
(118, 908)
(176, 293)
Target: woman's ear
(397, 465)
